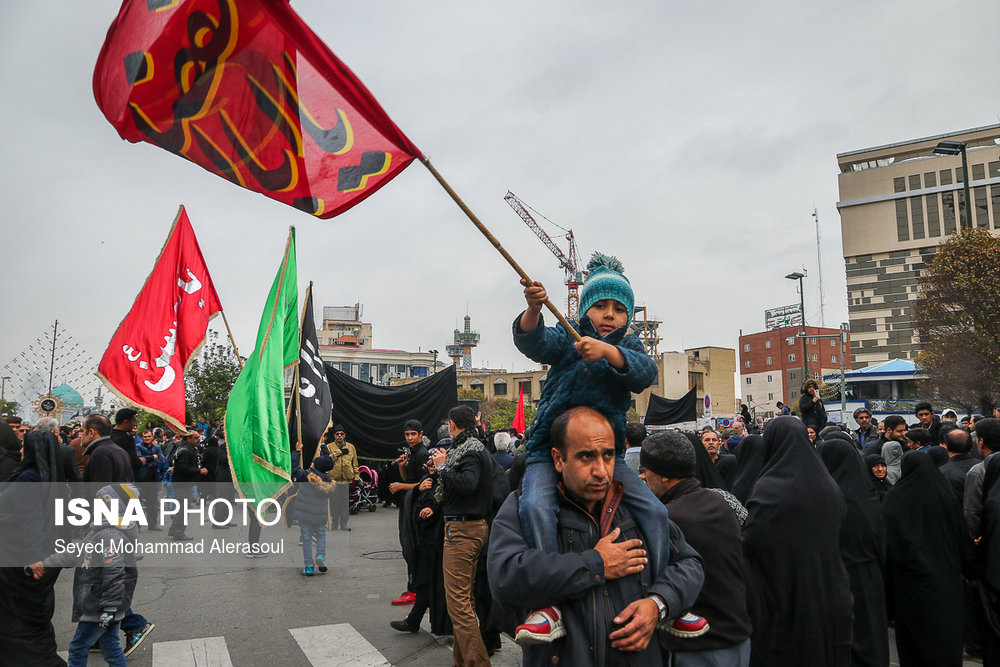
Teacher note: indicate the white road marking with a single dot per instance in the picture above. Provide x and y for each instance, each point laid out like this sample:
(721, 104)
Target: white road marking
(205, 652)
(335, 645)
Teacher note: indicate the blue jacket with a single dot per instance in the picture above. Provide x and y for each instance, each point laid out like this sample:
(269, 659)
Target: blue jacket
(571, 381)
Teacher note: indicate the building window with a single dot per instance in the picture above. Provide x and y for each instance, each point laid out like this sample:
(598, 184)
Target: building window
(791, 357)
(746, 347)
(696, 381)
(917, 209)
(812, 341)
(749, 397)
(768, 360)
(499, 387)
(419, 371)
(948, 209)
(747, 363)
(833, 358)
(770, 397)
(767, 344)
(833, 343)
(790, 340)
(749, 381)
(770, 378)
(902, 221)
(791, 376)
(815, 357)
(524, 385)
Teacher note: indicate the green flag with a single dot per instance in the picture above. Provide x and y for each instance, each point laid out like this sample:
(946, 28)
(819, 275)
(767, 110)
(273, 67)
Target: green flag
(256, 427)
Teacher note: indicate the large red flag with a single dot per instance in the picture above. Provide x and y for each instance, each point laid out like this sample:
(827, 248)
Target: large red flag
(147, 356)
(519, 415)
(246, 90)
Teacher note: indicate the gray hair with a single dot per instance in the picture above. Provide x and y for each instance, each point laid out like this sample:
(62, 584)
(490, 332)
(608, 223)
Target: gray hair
(502, 441)
(50, 424)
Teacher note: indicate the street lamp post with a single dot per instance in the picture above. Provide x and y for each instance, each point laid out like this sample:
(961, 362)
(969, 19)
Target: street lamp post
(796, 275)
(842, 337)
(3, 388)
(954, 148)
(435, 353)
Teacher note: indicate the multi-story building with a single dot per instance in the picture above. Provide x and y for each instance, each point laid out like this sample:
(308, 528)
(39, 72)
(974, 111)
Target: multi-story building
(898, 202)
(706, 369)
(345, 342)
(771, 367)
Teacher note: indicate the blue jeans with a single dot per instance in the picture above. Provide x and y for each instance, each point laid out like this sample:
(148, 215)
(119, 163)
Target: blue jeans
(307, 533)
(88, 632)
(539, 509)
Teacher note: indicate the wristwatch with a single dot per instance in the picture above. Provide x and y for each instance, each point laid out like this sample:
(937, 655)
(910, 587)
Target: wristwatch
(661, 606)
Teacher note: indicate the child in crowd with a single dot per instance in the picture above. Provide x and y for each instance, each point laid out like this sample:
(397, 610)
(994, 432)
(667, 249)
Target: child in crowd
(103, 583)
(601, 371)
(312, 511)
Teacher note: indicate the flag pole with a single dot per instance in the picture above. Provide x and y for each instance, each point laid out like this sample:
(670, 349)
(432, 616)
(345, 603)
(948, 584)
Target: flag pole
(496, 244)
(232, 340)
(298, 394)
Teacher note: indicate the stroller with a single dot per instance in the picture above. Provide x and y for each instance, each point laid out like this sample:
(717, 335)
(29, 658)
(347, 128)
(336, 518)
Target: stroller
(364, 493)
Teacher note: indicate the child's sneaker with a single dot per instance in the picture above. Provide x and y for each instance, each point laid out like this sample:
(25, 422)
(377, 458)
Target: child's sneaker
(321, 563)
(541, 627)
(307, 571)
(687, 626)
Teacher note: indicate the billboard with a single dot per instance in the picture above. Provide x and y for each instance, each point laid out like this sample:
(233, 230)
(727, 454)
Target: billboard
(783, 316)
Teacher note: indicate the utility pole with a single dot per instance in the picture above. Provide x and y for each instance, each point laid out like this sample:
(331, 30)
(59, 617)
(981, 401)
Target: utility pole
(819, 266)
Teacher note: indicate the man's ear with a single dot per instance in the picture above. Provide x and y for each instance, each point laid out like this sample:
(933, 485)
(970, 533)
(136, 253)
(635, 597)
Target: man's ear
(557, 459)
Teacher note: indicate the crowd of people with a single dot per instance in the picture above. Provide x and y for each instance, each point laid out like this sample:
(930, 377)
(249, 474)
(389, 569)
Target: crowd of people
(592, 540)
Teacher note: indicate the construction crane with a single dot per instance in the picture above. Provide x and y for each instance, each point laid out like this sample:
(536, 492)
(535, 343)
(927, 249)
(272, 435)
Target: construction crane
(573, 275)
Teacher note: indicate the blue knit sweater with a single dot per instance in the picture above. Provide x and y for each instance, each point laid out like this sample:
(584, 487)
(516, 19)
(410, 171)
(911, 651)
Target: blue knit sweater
(571, 381)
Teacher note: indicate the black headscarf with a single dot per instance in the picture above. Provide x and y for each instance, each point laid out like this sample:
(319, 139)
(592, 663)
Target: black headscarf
(928, 549)
(10, 451)
(939, 455)
(799, 594)
(41, 453)
(704, 470)
(990, 544)
(863, 535)
(881, 486)
(749, 462)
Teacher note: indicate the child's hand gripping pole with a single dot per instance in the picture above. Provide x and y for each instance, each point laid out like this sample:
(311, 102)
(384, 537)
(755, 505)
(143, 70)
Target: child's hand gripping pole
(496, 244)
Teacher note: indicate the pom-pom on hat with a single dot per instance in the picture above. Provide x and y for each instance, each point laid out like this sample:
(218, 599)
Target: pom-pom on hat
(606, 280)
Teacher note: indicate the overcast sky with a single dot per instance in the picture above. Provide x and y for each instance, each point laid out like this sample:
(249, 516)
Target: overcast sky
(690, 139)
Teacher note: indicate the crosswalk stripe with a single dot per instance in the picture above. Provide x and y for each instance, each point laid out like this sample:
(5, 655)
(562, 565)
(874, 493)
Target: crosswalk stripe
(338, 644)
(205, 652)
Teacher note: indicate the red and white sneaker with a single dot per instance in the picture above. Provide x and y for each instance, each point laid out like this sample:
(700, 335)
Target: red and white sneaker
(541, 627)
(408, 597)
(687, 626)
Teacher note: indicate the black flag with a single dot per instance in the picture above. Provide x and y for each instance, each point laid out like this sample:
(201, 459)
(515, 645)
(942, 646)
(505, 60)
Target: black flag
(314, 391)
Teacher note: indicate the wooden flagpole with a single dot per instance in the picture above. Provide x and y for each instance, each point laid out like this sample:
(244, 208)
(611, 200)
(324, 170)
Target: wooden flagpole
(232, 340)
(496, 244)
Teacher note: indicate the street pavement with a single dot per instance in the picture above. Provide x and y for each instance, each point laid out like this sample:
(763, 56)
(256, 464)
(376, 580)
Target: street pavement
(263, 612)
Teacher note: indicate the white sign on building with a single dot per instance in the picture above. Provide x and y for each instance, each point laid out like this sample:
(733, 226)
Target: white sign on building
(783, 316)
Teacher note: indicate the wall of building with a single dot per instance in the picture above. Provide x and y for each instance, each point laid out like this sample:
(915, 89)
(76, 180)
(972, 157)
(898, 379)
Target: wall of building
(772, 362)
(897, 204)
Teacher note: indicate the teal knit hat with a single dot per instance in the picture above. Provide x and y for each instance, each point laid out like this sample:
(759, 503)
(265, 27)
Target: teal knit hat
(606, 280)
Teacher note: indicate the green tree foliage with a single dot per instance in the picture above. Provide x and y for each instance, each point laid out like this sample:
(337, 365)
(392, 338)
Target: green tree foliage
(503, 416)
(957, 319)
(209, 379)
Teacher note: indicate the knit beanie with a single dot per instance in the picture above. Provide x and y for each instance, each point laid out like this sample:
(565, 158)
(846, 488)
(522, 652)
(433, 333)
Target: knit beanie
(323, 463)
(606, 280)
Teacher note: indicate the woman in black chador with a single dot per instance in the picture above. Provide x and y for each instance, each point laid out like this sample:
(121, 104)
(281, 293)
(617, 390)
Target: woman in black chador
(928, 550)
(798, 592)
(862, 548)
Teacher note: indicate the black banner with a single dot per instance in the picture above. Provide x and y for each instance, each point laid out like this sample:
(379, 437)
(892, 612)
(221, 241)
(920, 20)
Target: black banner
(663, 411)
(374, 416)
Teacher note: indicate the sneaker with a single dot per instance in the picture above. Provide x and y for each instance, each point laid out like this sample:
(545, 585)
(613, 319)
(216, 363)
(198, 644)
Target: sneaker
(687, 626)
(134, 638)
(541, 627)
(403, 626)
(406, 598)
(321, 563)
(307, 571)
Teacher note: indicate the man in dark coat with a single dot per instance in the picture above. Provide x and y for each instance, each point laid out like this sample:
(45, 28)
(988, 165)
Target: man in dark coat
(667, 465)
(107, 462)
(725, 463)
(928, 420)
(122, 436)
(866, 433)
(599, 570)
(960, 461)
(811, 407)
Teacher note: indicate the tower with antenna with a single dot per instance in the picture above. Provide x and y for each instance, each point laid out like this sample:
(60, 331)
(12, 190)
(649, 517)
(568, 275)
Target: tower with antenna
(461, 351)
(819, 267)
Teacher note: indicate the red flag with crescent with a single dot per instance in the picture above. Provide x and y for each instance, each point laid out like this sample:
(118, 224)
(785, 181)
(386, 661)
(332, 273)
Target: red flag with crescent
(246, 90)
(162, 333)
